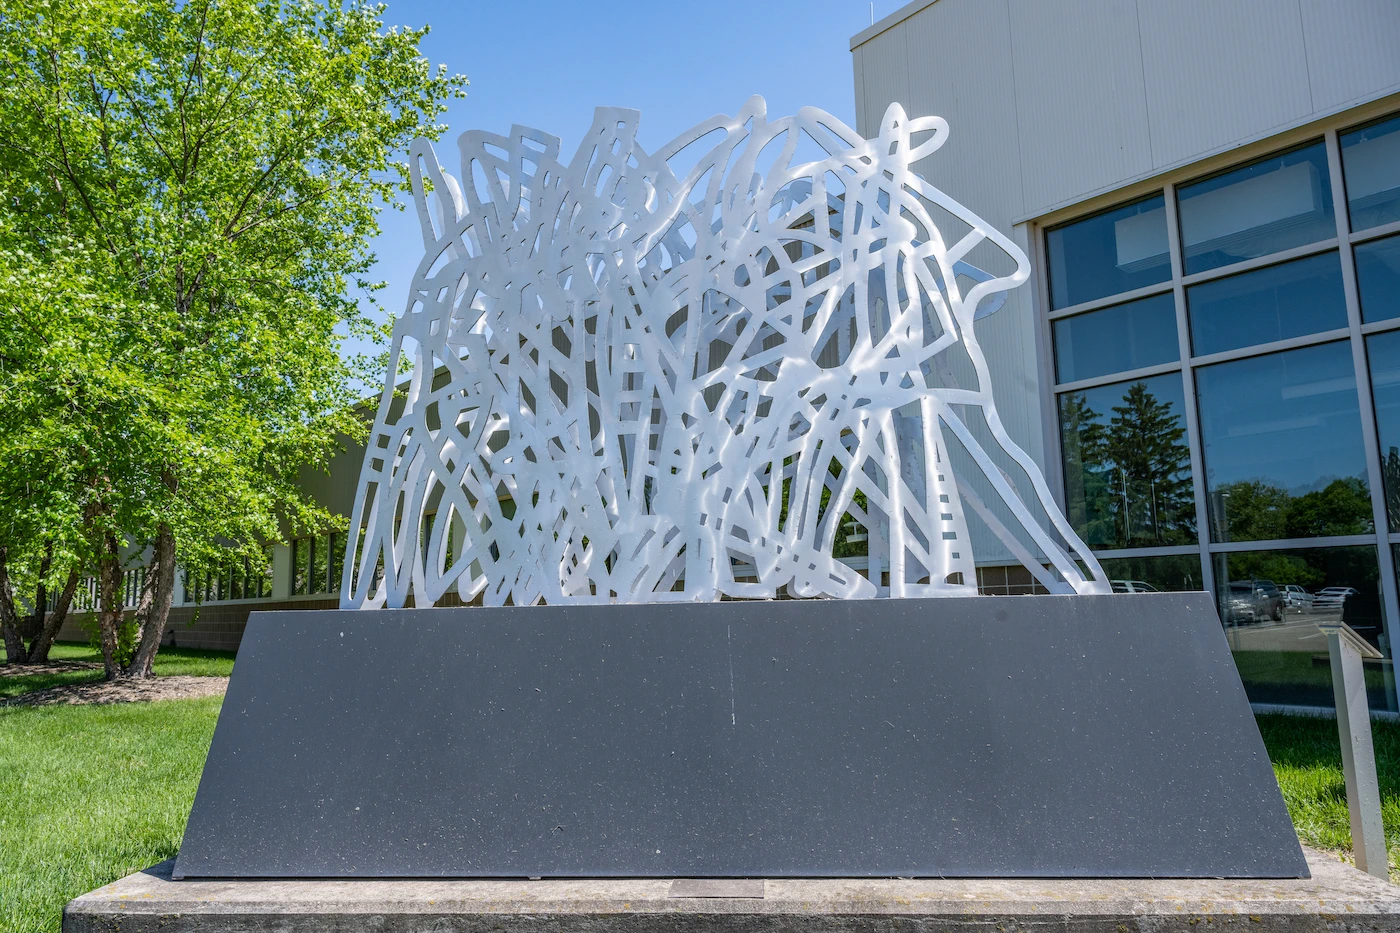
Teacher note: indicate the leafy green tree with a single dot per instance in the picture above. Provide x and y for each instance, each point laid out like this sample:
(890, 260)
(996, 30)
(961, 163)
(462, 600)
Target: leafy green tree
(214, 171)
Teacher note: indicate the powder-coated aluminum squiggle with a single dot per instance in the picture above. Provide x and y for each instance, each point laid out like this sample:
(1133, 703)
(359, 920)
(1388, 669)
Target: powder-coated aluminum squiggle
(696, 373)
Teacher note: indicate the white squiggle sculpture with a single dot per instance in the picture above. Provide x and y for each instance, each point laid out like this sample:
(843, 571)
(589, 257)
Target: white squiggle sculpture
(635, 382)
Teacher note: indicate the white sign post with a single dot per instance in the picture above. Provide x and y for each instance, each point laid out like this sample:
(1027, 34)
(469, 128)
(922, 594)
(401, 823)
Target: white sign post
(1358, 756)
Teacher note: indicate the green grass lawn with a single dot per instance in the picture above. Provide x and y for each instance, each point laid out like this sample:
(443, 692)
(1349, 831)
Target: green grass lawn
(93, 793)
(169, 661)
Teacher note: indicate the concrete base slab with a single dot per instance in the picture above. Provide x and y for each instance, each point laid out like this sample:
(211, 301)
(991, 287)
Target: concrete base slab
(1337, 897)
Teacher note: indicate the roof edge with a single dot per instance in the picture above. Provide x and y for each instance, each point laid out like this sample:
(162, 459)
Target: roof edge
(894, 19)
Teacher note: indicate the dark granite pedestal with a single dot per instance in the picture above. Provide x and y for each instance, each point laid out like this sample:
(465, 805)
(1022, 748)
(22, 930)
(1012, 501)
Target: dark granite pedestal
(978, 737)
(1336, 898)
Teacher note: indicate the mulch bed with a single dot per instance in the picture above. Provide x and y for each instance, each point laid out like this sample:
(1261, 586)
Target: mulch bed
(180, 687)
(48, 667)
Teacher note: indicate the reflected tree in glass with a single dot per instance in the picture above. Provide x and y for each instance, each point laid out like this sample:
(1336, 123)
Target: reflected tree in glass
(1128, 480)
(1253, 510)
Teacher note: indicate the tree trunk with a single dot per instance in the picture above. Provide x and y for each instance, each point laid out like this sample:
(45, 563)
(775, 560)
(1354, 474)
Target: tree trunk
(39, 648)
(155, 602)
(41, 596)
(9, 621)
(109, 614)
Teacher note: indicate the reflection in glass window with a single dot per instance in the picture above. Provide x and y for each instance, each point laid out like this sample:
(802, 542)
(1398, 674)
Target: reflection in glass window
(1378, 279)
(319, 571)
(1109, 253)
(1274, 303)
(1371, 167)
(1168, 573)
(301, 565)
(1283, 451)
(1117, 339)
(1383, 351)
(1273, 204)
(335, 557)
(1127, 464)
(1270, 603)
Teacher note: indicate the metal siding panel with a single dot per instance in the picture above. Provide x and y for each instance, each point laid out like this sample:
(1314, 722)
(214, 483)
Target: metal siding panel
(1081, 105)
(1217, 73)
(957, 64)
(858, 65)
(1353, 49)
(886, 79)
(949, 47)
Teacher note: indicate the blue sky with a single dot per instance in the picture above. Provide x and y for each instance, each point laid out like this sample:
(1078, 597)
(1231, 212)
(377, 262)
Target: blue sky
(548, 64)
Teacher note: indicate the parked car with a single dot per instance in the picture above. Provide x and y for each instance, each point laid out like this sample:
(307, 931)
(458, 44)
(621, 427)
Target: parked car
(1332, 597)
(1254, 601)
(1297, 597)
(1133, 586)
(1239, 604)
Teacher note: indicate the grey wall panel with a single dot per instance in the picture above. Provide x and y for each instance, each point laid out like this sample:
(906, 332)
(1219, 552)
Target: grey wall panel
(884, 82)
(1080, 98)
(1217, 72)
(1353, 49)
(960, 67)
(862, 111)
(1106, 92)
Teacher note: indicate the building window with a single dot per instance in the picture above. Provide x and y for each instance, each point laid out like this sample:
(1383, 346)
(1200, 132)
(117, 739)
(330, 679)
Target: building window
(1263, 424)
(1274, 303)
(1112, 252)
(1270, 601)
(1166, 573)
(1371, 163)
(1270, 205)
(238, 578)
(1378, 279)
(1117, 339)
(1128, 464)
(316, 563)
(1281, 438)
(1383, 352)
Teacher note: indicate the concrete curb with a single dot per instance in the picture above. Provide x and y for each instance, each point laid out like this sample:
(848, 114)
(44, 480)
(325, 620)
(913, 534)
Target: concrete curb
(1336, 898)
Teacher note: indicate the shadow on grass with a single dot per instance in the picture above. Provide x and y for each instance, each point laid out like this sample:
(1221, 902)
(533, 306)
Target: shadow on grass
(194, 662)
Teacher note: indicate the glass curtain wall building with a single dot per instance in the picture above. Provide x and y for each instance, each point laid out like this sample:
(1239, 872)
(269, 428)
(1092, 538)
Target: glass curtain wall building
(1226, 359)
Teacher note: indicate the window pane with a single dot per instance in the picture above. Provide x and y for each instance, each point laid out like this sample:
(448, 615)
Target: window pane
(1127, 464)
(1371, 166)
(1283, 452)
(1113, 340)
(238, 574)
(1113, 252)
(1383, 350)
(1274, 204)
(335, 559)
(1378, 278)
(319, 572)
(301, 564)
(1270, 603)
(1166, 574)
(1288, 300)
